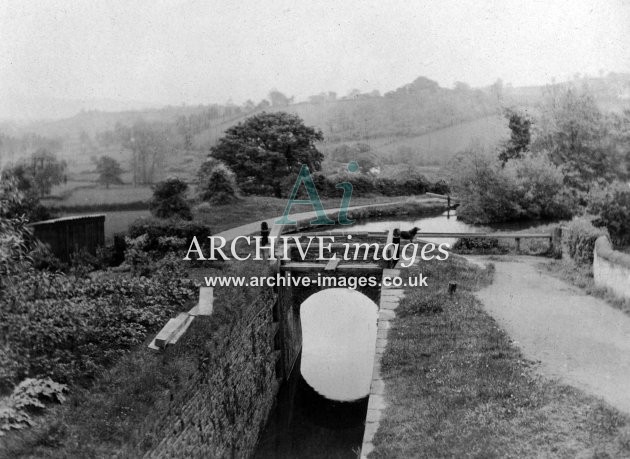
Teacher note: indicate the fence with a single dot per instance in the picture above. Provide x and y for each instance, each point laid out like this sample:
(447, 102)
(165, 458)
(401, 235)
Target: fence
(68, 235)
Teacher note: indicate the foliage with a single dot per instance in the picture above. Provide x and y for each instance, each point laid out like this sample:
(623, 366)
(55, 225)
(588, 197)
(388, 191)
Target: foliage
(156, 229)
(149, 146)
(219, 186)
(27, 396)
(576, 135)
(169, 199)
(613, 207)
(266, 148)
(43, 170)
(539, 186)
(519, 124)
(485, 192)
(70, 326)
(278, 99)
(28, 206)
(15, 235)
(527, 188)
(161, 236)
(478, 245)
(581, 240)
(368, 185)
(108, 170)
(360, 152)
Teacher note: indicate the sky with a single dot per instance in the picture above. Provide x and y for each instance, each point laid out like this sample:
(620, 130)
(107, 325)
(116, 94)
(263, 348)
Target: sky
(192, 52)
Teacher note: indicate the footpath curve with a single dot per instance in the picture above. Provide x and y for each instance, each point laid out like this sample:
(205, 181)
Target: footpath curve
(577, 338)
(254, 227)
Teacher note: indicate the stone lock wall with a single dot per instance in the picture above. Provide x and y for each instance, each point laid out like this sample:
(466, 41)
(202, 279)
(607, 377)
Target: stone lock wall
(226, 402)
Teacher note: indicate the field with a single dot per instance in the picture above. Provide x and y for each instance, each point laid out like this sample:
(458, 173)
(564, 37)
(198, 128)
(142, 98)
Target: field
(437, 147)
(86, 194)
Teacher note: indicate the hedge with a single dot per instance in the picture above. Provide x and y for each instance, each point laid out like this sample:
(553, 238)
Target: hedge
(581, 239)
(156, 230)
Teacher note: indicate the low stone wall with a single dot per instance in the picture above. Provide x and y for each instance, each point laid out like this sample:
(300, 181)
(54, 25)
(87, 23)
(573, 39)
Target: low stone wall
(225, 404)
(611, 268)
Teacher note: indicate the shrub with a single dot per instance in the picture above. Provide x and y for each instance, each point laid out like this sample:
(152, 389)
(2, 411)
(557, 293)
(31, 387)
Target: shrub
(163, 236)
(581, 240)
(486, 194)
(478, 245)
(613, 207)
(169, 199)
(527, 188)
(68, 327)
(219, 186)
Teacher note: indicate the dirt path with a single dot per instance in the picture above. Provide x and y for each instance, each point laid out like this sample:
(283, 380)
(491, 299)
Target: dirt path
(578, 338)
(254, 227)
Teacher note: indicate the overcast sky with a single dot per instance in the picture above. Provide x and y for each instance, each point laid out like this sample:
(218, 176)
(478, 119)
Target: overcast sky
(209, 51)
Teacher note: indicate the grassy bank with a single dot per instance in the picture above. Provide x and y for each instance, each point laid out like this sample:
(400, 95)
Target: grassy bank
(254, 208)
(457, 386)
(108, 417)
(582, 276)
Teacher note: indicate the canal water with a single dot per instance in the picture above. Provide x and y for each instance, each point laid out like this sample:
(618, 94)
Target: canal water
(320, 411)
(446, 222)
(443, 223)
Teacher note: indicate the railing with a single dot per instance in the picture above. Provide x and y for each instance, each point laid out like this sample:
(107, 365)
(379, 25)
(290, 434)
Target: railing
(553, 237)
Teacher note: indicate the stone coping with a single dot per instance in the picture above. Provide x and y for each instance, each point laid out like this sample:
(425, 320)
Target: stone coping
(604, 249)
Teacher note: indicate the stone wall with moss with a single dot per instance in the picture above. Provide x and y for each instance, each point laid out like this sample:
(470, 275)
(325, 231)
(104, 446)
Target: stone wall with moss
(224, 405)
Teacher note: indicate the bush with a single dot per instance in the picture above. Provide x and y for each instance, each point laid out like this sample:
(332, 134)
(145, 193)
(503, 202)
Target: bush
(581, 240)
(28, 395)
(169, 199)
(162, 236)
(219, 186)
(478, 245)
(527, 188)
(613, 207)
(68, 327)
(366, 185)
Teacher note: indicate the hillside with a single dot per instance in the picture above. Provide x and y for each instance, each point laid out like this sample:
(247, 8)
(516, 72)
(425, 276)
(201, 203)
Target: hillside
(419, 123)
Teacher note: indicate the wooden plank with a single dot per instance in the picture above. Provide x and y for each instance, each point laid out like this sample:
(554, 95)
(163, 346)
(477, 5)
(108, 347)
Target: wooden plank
(332, 264)
(181, 330)
(206, 301)
(170, 330)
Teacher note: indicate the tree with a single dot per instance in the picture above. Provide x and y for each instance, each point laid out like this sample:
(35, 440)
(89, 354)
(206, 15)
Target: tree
(267, 148)
(278, 99)
(219, 186)
(148, 144)
(520, 136)
(576, 135)
(612, 204)
(108, 170)
(169, 199)
(28, 205)
(41, 172)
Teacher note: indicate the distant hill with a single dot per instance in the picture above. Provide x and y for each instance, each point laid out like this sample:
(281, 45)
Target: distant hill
(420, 122)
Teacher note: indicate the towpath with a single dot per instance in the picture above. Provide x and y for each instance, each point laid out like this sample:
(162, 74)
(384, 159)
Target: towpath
(577, 338)
(254, 227)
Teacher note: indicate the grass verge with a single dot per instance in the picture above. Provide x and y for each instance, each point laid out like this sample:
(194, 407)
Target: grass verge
(107, 418)
(582, 276)
(254, 208)
(457, 386)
